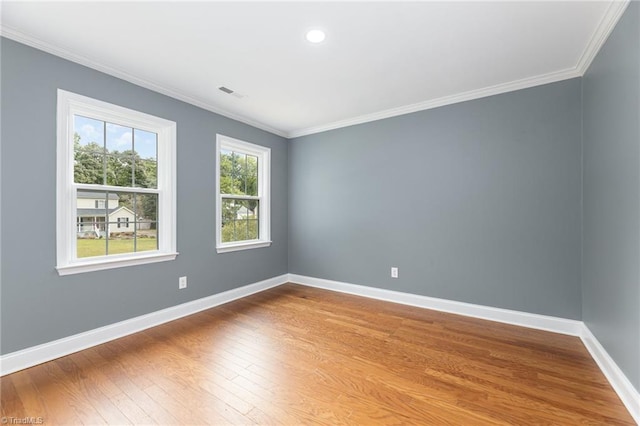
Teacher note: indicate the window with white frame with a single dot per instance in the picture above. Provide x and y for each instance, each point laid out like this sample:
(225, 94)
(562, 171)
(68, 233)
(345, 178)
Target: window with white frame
(242, 195)
(116, 168)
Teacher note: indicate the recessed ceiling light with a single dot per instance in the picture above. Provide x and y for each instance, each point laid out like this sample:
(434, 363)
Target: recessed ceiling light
(315, 36)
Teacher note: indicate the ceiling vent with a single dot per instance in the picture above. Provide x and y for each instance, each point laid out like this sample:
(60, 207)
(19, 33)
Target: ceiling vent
(230, 92)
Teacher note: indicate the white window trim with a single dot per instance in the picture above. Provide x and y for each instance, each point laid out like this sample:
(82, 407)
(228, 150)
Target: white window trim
(264, 192)
(67, 261)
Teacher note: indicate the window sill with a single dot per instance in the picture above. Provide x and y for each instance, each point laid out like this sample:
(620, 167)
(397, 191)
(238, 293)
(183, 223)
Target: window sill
(242, 246)
(102, 264)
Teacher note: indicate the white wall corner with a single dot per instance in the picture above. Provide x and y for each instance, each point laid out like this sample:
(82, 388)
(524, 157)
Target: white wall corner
(35, 355)
(626, 391)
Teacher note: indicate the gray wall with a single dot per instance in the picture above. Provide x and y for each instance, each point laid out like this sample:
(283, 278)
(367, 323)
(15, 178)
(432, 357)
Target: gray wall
(611, 222)
(37, 305)
(477, 202)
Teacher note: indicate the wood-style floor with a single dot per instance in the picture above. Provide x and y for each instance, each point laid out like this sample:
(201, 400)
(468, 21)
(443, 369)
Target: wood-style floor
(297, 355)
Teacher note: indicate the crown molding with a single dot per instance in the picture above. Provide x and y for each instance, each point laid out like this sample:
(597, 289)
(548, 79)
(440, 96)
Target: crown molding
(598, 38)
(443, 101)
(36, 43)
(601, 34)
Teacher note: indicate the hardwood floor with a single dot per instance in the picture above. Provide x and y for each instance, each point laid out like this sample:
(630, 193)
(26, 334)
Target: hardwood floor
(299, 355)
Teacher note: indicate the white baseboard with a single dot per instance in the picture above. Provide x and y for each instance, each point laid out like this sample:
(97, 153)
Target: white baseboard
(628, 394)
(29, 357)
(524, 319)
(35, 355)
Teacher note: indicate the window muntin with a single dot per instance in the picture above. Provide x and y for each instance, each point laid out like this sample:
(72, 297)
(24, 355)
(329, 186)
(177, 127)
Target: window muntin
(129, 225)
(240, 220)
(111, 154)
(116, 185)
(243, 206)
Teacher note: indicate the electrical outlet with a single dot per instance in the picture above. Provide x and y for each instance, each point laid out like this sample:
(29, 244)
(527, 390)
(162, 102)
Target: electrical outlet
(182, 283)
(394, 272)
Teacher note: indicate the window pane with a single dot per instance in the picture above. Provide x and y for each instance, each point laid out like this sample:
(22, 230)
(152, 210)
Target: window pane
(133, 223)
(229, 212)
(130, 207)
(92, 204)
(251, 176)
(253, 232)
(146, 236)
(145, 207)
(88, 150)
(252, 209)
(228, 232)
(240, 174)
(146, 216)
(120, 240)
(115, 222)
(226, 161)
(239, 220)
(91, 216)
(241, 230)
(119, 138)
(229, 209)
(226, 165)
(122, 219)
(120, 169)
(242, 210)
(90, 246)
(145, 146)
(250, 217)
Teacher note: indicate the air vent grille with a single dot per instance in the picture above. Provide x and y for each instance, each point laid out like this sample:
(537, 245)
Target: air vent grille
(231, 92)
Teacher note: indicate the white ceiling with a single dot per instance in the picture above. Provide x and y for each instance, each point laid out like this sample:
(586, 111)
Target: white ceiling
(379, 58)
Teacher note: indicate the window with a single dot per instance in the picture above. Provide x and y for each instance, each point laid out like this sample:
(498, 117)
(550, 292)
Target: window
(243, 201)
(116, 170)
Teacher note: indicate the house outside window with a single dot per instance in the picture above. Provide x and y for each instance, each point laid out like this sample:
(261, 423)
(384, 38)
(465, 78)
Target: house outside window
(116, 186)
(243, 204)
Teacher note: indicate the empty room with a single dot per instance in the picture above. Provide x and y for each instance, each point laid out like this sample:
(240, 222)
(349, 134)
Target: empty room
(295, 213)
